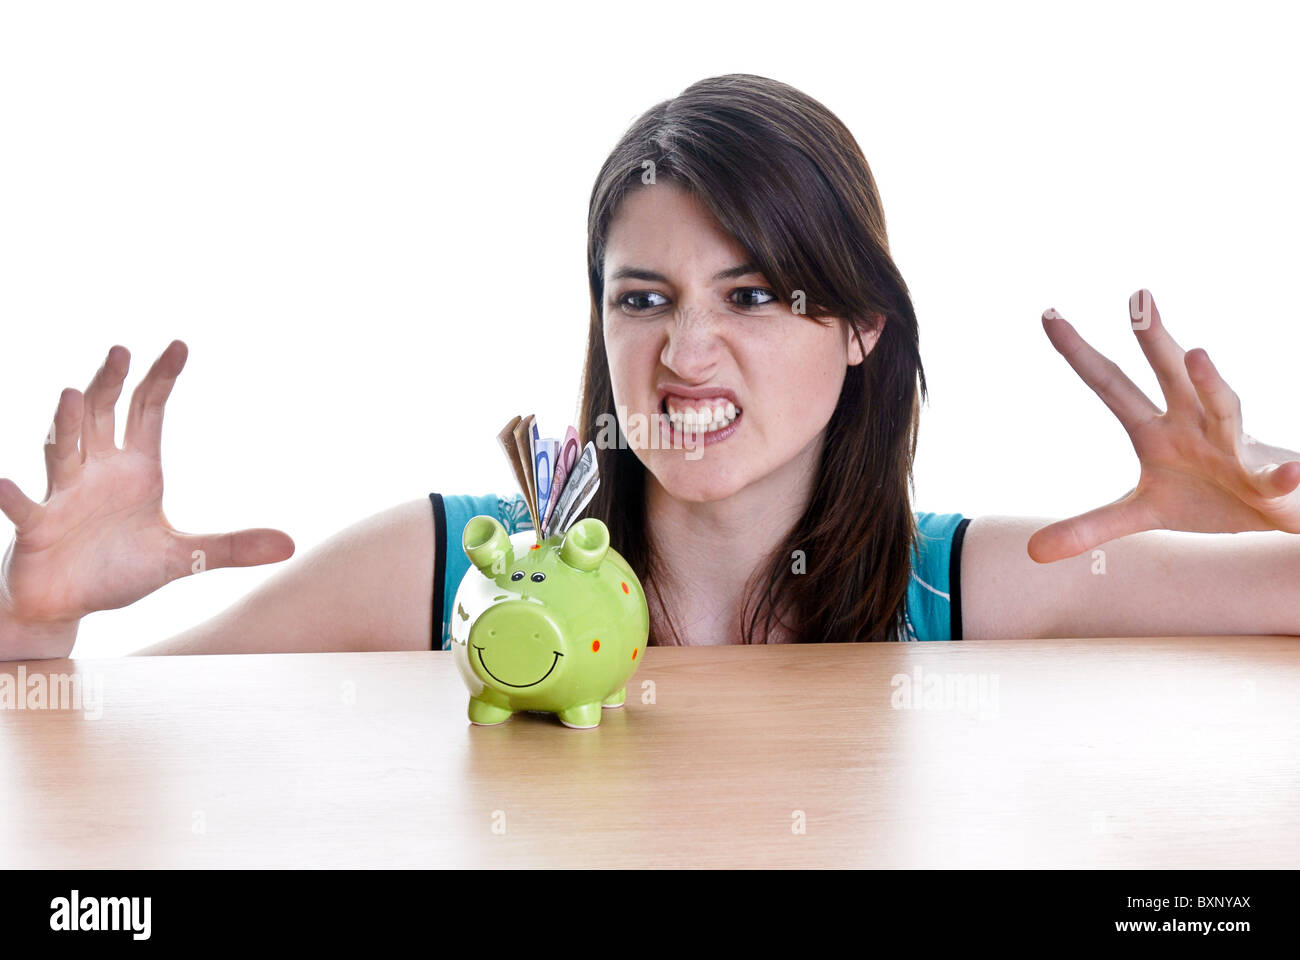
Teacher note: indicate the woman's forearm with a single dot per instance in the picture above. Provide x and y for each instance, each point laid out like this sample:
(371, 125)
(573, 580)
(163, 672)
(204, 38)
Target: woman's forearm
(1157, 583)
(366, 588)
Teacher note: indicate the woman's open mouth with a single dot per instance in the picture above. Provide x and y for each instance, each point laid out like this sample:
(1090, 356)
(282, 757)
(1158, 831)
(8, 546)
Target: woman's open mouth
(688, 422)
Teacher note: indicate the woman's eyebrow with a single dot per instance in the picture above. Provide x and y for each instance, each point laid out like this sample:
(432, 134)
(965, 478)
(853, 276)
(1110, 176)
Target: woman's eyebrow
(640, 273)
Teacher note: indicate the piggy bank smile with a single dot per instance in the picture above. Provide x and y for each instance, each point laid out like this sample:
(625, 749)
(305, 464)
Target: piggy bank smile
(516, 644)
(488, 671)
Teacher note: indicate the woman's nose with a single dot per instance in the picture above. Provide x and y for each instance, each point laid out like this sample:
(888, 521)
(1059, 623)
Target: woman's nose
(692, 335)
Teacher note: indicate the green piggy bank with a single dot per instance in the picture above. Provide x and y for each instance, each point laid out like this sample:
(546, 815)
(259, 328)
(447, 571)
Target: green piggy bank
(553, 627)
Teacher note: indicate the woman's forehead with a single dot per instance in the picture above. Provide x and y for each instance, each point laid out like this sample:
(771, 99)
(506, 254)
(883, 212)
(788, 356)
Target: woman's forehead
(668, 231)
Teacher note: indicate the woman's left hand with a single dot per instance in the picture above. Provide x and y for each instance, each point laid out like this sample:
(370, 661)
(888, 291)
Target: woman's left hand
(1200, 472)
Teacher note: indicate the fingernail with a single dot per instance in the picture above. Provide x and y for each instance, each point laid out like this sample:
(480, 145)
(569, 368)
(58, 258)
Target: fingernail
(1051, 314)
(1139, 310)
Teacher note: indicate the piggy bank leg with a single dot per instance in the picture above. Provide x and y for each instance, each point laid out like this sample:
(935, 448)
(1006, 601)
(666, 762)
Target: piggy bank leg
(486, 714)
(582, 717)
(615, 699)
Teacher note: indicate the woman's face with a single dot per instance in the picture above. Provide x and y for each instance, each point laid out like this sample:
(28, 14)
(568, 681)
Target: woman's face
(690, 327)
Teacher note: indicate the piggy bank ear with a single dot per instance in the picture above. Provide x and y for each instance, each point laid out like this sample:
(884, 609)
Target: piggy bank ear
(585, 544)
(487, 545)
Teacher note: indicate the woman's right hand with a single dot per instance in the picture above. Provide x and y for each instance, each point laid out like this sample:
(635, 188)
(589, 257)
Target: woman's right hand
(99, 540)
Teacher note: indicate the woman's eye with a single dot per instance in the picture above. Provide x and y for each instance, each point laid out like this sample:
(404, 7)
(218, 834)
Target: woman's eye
(517, 575)
(756, 290)
(640, 295)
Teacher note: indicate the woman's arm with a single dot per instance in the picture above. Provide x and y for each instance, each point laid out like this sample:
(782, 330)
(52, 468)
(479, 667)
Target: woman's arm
(1157, 583)
(368, 587)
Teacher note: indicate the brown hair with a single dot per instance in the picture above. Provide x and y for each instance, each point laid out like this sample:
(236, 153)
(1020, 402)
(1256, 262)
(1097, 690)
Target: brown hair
(786, 178)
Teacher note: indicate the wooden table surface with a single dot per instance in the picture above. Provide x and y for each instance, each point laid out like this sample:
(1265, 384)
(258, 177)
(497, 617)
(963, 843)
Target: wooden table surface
(1128, 753)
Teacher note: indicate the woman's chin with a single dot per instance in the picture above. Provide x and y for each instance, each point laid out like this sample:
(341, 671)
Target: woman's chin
(695, 483)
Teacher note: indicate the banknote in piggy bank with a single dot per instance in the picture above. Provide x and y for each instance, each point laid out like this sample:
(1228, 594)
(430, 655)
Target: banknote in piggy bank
(555, 626)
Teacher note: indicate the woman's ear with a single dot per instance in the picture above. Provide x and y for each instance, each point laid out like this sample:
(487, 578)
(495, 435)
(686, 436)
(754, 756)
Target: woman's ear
(870, 333)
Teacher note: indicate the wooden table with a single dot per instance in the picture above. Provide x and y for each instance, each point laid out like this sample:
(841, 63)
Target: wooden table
(1128, 753)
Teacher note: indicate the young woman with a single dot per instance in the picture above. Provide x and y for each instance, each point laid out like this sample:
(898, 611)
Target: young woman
(744, 301)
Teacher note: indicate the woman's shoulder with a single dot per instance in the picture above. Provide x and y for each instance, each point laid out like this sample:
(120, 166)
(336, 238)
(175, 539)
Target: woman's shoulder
(934, 593)
(452, 512)
(937, 527)
(460, 508)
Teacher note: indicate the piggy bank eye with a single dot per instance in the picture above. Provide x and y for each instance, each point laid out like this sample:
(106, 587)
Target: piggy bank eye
(538, 577)
(517, 575)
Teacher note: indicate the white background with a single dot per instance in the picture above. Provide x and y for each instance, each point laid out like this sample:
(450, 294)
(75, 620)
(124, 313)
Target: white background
(361, 215)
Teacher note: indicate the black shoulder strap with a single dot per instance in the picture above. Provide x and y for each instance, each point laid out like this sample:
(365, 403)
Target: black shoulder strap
(954, 578)
(439, 567)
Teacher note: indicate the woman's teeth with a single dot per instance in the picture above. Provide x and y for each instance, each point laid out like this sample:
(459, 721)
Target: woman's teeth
(704, 417)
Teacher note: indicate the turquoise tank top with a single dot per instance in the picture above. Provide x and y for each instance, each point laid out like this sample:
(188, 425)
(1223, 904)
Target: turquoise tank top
(933, 596)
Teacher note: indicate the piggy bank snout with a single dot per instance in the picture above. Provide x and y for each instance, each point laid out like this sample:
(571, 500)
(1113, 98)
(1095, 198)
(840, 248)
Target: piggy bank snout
(516, 645)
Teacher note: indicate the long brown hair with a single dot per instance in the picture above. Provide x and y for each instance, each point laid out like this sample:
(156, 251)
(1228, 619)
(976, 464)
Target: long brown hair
(786, 178)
